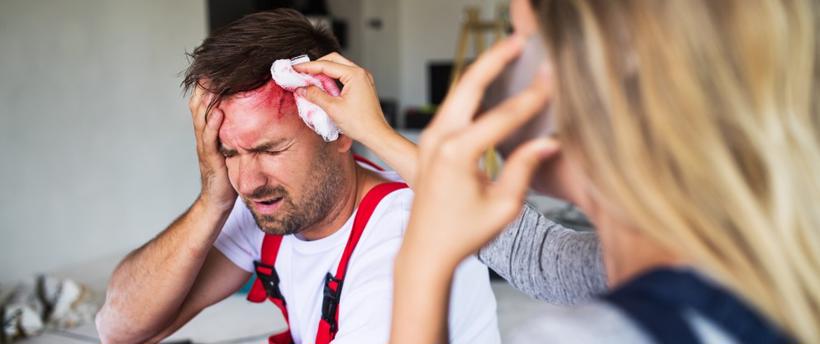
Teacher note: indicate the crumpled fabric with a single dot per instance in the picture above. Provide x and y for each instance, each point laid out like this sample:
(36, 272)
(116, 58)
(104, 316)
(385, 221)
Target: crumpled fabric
(45, 303)
(316, 119)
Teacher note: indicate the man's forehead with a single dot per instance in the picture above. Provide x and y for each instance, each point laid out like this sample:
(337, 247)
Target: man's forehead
(269, 99)
(265, 113)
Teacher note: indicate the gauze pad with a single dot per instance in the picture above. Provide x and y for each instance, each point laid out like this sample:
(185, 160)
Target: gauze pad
(287, 78)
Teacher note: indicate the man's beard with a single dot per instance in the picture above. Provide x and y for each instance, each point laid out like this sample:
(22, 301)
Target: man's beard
(320, 193)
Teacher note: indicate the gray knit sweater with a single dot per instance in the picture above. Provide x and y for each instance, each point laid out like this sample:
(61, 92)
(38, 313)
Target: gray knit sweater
(547, 261)
(562, 266)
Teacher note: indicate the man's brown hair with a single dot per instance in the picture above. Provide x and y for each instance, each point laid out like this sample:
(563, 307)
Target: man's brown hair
(237, 58)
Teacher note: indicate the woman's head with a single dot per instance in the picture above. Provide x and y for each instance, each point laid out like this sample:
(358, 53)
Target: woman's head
(697, 122)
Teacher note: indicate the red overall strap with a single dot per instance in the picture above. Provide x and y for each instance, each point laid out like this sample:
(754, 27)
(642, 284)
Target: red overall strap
(266, 285)
(328, 325)
(363, 160)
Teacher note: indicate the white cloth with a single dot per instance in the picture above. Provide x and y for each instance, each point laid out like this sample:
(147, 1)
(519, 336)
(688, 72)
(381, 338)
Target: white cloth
(317, 119)
(367, 296)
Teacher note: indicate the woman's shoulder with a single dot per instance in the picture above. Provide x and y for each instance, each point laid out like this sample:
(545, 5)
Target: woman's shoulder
(599, 322)
(593, 322)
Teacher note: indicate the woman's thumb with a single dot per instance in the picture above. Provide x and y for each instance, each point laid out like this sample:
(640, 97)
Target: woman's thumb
(520, 167)
(316, 96)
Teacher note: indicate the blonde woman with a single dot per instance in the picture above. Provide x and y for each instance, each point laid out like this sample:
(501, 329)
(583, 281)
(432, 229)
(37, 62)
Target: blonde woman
(688, 132)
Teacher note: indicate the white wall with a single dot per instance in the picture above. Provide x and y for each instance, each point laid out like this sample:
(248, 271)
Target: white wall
(351, 12)
(97, 146)
(381, 46)
(428, 31)
(413, 33)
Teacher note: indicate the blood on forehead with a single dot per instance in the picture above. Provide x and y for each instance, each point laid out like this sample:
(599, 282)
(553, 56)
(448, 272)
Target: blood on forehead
(269, 99)
(251, 115)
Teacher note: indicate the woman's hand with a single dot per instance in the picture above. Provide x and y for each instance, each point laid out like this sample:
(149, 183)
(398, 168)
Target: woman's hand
(357, 112)
(456, 210)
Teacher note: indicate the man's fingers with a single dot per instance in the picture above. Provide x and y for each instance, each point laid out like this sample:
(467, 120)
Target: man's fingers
(196, 98)
(315, 95)
(463, 100)
(199, 107)
(210, 134)
(514, 180)
(503, 120)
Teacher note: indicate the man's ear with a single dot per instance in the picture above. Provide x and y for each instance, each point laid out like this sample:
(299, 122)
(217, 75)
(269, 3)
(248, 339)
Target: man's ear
(343, 143)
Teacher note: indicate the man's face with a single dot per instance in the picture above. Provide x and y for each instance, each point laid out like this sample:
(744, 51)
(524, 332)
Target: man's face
(288, 177)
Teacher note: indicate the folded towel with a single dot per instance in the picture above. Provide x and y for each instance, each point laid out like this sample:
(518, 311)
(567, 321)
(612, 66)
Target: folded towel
(317, 119)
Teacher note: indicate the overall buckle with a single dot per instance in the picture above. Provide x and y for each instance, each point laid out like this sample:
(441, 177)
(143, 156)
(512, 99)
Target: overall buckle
(330, 301)
(269, 278)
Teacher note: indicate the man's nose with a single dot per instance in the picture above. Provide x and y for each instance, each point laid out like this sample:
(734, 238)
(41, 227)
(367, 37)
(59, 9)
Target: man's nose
(250, 175)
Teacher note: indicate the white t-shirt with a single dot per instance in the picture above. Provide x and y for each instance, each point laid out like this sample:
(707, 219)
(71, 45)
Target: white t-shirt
(367, 294)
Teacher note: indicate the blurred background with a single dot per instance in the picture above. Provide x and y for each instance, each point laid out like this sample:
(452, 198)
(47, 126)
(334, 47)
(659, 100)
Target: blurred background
(99, 149)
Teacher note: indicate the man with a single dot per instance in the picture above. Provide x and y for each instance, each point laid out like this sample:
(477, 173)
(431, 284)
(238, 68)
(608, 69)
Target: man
(277, 200)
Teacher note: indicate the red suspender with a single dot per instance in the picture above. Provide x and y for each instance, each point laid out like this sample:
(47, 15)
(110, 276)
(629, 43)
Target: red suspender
(362, 160)
(328, 325)
(266, 285)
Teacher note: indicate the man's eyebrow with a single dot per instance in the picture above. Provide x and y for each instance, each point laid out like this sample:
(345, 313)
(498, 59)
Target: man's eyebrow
(226, 151)
(266, 146)
(263, 147)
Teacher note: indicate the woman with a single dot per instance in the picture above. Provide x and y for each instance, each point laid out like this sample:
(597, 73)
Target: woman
(689, 131)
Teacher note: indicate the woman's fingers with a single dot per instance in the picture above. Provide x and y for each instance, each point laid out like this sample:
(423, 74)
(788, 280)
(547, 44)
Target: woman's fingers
(319, 97)
(337, 58)
(501, 121)
(462, 102)
(512, 185)
(343, 73)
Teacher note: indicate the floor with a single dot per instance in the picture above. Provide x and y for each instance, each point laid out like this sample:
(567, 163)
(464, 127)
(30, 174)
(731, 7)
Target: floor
(237, 321)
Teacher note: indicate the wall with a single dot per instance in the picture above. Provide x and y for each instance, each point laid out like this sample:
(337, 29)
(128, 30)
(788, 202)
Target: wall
(98, 150)
(381, 50)
(351, 12)
(428, 31)
(413, 32)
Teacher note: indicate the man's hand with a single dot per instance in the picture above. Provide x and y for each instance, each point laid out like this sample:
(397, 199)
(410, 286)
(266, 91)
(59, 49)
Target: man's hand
(217, 193)
(150, 294)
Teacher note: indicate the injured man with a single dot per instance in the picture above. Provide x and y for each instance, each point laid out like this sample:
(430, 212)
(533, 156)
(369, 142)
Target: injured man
(283, 199)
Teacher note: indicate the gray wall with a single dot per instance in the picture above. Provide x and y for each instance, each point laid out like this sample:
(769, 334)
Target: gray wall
(97, 146)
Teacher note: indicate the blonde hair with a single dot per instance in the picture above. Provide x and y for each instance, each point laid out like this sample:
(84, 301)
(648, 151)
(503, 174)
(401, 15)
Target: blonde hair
(697, 121)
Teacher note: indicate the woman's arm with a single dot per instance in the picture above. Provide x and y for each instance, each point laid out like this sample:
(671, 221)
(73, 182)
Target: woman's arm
(396, 151)
(356, 111)
(546, 260)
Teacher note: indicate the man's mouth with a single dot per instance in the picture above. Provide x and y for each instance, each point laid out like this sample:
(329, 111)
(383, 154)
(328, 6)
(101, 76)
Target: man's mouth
(267, 206)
